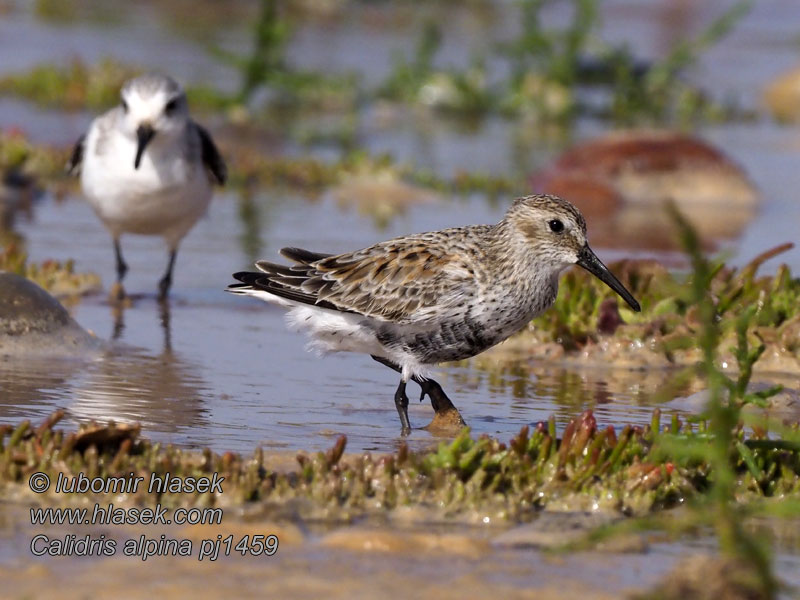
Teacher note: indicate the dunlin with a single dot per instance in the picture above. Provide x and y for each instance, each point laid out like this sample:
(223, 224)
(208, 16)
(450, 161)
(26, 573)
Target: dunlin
(419, 300)
(147, 168)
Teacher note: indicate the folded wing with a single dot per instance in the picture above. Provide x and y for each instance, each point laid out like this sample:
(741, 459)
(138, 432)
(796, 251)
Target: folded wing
(400, 281)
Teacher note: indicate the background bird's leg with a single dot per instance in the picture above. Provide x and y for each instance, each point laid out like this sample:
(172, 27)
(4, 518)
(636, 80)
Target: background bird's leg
(166, 281)
(400, 397)
(119, 322)
(164, 315)
(118, 292)
(122, 268)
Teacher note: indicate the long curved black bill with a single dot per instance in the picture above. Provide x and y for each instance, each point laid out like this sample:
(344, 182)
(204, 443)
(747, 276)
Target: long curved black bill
(144, 133)
(589, 261)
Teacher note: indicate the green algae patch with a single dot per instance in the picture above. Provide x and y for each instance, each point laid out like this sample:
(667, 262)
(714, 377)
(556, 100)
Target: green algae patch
(249, 166)
(74, 87)
(625, 472)
(57, 277)
(95, 87)
(20, 155)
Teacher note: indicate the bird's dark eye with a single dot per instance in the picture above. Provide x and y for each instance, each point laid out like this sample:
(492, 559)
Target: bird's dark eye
(556, 226)
(124, 106)
(171, 106)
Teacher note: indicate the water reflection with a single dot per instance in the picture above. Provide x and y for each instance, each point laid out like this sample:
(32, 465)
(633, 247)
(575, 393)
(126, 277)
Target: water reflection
(538, 390)
(23, 385)
(251, 213)
(164, 391)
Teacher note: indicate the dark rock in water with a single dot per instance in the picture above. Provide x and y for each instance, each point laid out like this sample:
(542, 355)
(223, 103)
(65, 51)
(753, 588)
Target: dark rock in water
(33, 322)
(27, 308)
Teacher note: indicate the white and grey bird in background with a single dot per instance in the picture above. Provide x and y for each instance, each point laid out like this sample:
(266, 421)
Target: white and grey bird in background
(147, 168)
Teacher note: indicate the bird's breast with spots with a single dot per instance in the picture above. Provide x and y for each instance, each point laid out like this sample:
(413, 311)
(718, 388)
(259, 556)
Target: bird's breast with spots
(468, 333)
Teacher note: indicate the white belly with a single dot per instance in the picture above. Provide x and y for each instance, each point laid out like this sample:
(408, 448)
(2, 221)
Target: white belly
(165, 196)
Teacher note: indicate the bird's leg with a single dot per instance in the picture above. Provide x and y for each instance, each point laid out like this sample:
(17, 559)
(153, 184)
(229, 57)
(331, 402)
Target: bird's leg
(118, 292)
(400, 398)
(387, 363)
(166, 281)
(401, 402)
(447, 415)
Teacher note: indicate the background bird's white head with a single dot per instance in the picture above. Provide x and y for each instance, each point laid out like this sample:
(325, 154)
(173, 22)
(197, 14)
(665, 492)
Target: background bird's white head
(153, 108)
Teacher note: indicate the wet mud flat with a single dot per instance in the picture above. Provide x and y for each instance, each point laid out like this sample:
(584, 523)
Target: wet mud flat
(339, 561)
(358, 560)
(414, 552)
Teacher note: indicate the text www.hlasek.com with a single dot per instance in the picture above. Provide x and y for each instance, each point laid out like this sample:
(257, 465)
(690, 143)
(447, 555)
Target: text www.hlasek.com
(143, 547)
(112, 515)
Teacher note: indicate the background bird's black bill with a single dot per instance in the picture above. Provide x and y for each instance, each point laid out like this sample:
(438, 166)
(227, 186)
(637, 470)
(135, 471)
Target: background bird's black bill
(144, 134)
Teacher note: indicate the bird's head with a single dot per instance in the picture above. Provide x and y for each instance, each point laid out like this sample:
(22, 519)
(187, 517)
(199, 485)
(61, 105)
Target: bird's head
(152, 105)
(556, 231)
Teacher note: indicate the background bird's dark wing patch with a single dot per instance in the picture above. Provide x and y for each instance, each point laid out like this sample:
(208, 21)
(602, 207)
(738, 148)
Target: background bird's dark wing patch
(76, 158)
(211, 156)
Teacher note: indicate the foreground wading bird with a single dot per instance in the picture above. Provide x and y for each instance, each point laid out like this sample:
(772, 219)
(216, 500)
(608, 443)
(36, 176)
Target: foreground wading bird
(422, 299)
(147, 168)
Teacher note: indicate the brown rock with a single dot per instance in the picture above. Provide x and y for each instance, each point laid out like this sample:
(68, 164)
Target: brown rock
(782, 96)
(622, 180)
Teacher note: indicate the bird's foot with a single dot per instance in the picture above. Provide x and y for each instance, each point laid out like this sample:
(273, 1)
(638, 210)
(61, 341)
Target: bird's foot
(439, 400)
(446, 422)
